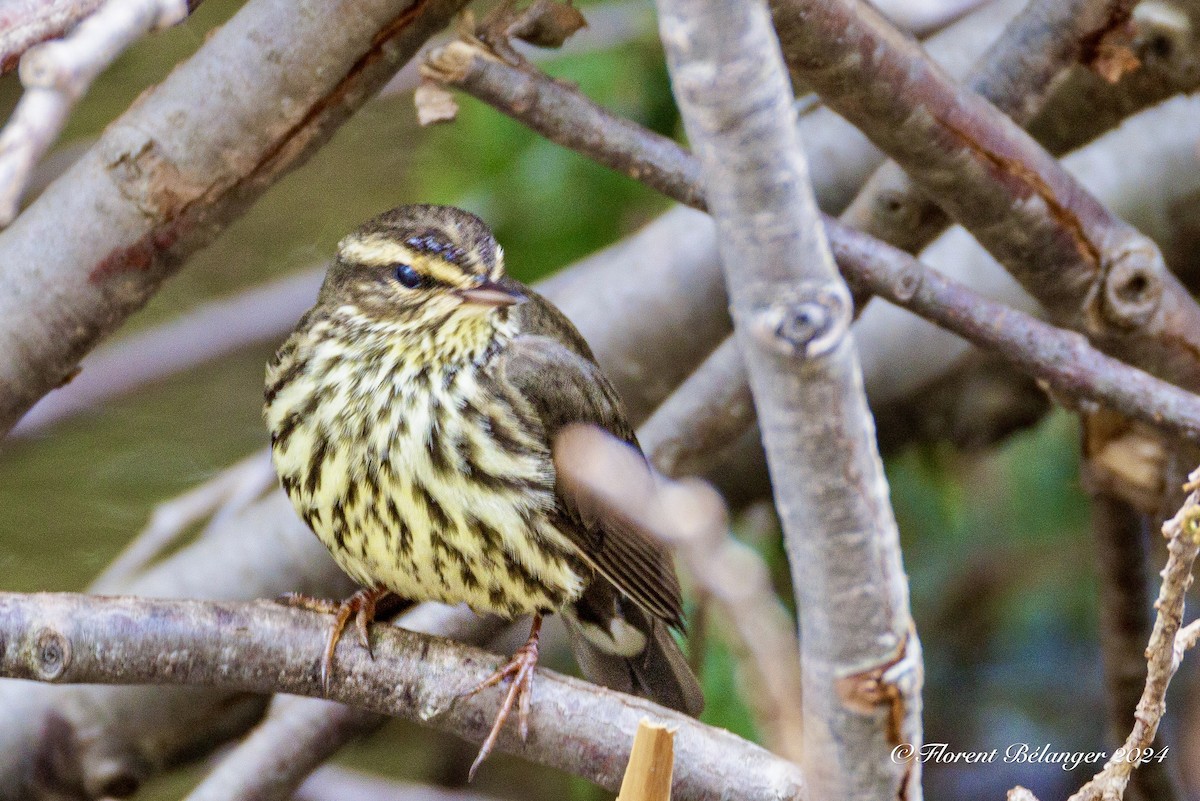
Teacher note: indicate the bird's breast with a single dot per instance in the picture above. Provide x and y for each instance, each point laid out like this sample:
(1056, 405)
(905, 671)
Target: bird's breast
(433, 483)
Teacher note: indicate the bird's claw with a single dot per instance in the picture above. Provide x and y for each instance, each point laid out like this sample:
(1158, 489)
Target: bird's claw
(360, 606)
(521, 670)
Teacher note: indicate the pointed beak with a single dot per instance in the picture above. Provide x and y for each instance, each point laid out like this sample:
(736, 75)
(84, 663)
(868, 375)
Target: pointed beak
(493, 294)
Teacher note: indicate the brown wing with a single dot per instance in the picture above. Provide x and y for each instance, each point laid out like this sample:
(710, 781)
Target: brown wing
(550, 365)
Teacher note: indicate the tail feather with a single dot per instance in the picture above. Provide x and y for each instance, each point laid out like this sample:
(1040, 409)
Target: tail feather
(622, 647)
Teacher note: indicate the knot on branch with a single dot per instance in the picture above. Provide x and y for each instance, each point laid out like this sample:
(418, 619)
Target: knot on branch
(51, 654)
(1131, 287)
(808, 322)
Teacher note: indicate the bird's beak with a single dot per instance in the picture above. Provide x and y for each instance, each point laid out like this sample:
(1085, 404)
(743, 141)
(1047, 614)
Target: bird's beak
(492, 294)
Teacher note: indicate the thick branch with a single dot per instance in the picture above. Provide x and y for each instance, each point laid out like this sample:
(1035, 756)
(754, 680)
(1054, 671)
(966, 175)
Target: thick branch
(1090, 270)
(265, 647)
(1016, 75)
(859, 654)
(258, 97)
(299, 734)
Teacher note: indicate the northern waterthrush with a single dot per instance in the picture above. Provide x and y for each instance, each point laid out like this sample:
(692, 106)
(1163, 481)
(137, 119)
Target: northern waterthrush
(412, 415)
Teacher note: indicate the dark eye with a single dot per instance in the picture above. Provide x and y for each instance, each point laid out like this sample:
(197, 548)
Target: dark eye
(408, 276)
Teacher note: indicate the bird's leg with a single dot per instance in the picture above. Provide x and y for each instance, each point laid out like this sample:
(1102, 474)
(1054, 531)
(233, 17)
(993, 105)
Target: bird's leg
(360, 605)
(520, 669)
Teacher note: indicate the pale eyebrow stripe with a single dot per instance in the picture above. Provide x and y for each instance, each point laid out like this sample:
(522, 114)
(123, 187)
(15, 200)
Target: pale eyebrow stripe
(380, 251)
(375, 251)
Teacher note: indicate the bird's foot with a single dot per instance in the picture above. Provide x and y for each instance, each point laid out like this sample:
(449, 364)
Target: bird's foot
(361, 606)
(520, 671)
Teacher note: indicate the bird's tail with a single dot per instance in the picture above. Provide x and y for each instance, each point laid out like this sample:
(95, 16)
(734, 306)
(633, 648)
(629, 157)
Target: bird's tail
(619, 645)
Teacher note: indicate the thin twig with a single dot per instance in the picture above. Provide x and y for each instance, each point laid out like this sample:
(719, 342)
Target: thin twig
(1168, 641)
(1123, 570)
(691, 518)
(266, 647)
(1063, 359)
(57, 74)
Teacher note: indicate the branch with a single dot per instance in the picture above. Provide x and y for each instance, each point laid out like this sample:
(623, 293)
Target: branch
(1168, 641)
(859, 655)
(1016, 75)
(24, 23)
(57, 74)
(299, 734)
(261, 94)
(1072, 368)
(266, 647)
(1091, 271)
(691, 518)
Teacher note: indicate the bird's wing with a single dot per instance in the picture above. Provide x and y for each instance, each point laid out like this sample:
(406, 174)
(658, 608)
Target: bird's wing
(551, 367)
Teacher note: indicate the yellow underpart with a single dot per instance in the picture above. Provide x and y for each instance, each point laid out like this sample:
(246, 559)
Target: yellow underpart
(378, 421)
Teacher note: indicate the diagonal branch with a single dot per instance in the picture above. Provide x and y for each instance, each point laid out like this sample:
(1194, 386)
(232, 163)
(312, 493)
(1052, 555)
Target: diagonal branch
(859, 653)
(1016, 75)
(1072, 367)
(255, 100)
(1091, 271)
(266, 647)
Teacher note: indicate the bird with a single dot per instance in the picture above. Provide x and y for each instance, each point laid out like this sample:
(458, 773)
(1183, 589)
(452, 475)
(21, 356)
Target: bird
(412, 415)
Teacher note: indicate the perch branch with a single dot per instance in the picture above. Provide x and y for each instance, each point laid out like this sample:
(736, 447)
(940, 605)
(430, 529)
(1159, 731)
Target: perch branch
(266, 647)
(299, 734)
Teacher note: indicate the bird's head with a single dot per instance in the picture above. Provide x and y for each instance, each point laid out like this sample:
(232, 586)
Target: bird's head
(423, 270)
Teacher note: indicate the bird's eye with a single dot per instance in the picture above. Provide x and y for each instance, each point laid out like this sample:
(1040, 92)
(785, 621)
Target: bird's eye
(407, 275)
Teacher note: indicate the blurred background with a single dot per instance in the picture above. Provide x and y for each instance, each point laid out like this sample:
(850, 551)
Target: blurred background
(996, 544)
